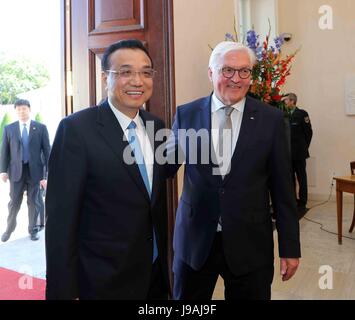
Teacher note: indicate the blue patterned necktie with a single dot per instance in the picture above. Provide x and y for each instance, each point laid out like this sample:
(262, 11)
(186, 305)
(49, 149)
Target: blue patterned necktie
(25, 151)
(137, 151)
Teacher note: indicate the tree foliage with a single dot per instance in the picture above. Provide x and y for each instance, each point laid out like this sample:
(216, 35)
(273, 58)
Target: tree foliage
(38, 117)
(18, 75)
(4, 122)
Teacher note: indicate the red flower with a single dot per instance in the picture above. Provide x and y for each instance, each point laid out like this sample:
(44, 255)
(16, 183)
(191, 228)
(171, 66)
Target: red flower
(270, 73)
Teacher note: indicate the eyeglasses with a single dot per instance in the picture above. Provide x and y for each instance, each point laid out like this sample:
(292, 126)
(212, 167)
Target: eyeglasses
(229, 72)
(130, 74)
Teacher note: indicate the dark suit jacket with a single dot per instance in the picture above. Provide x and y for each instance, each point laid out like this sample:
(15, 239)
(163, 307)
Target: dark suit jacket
(99, 215)
(301, 134)
(11, 151)
(259, 165)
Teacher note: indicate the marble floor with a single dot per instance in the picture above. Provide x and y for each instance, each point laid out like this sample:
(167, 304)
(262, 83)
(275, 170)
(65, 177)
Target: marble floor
(324, 263)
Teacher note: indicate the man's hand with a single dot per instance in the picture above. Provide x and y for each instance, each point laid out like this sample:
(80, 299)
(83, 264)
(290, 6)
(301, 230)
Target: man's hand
(43, 184)
(4, 176)
(288, 267)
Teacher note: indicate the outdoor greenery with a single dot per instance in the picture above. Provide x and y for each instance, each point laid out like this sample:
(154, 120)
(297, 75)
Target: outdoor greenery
(19, 75)
(38, 117)
(4, 122)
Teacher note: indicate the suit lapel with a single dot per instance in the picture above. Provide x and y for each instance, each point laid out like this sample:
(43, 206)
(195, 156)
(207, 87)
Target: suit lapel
(246, 134)
(32, 131)
(113, 134)
(17, 132)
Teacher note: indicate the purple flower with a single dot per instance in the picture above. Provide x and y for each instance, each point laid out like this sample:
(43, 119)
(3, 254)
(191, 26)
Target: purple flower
(252, 39)
(259, 53)
(229, 37)
(279, 41)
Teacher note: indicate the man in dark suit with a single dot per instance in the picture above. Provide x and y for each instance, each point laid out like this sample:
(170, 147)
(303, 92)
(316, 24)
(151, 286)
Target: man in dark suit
(106, 227)
(40, 220)
(41, 195)
(24, 156)
(223, 224)
(301, 136)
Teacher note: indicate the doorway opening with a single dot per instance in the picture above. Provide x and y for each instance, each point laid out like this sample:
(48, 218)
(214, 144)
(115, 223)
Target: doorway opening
(32, 63)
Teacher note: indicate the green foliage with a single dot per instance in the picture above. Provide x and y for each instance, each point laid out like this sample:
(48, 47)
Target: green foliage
(4, 122)
(18, 75)
(38, 117)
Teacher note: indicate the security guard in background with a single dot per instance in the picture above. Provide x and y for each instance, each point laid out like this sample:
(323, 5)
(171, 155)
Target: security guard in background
(301, 135)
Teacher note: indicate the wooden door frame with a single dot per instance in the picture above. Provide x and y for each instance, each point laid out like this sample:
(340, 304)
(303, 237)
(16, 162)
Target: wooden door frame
(169, 80)
(68, 101)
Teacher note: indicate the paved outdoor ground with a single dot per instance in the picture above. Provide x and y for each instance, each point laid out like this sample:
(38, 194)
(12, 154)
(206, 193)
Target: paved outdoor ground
(19, 253)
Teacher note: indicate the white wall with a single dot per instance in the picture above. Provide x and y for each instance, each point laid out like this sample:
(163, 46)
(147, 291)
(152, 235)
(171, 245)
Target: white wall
(326, 58)
(261, 11)
(197, 24)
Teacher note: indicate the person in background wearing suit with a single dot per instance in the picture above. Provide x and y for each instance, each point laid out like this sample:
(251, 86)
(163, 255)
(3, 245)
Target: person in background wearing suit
(106, 226)
(223, 223)
(24, 156)
(41, 206)
(301, 136)
(40, 220)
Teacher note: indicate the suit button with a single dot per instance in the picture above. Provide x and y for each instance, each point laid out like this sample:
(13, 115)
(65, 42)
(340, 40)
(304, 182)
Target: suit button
(150, 239)
(222, 191)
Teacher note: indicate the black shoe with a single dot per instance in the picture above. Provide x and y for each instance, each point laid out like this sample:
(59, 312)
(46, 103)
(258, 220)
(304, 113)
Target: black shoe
(5, 236)
(34, 236)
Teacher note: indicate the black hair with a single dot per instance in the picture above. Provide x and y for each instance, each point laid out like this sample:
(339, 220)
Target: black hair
(22, 102)
(122, 44)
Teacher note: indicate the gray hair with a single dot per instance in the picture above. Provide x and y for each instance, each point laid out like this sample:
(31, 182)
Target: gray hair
(225, 46)
(292, 96)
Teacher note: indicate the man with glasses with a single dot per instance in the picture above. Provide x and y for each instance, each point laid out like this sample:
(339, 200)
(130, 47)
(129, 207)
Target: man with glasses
(106, 230)
(223, 224)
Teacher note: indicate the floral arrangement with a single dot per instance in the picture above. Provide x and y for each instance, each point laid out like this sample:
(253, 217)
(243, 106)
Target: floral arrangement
(271, 70)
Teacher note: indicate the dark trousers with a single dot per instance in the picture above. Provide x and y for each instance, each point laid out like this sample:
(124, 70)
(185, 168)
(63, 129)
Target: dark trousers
(158, 289)
(299, 173)
(40, 206)
(16, 195)
(190, 284)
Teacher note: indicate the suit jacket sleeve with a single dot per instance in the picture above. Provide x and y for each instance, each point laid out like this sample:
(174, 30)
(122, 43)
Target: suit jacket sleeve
(45, 150)
(283, 195)
(307, 129)
(66, 181)
(5, 152)
(175, 153)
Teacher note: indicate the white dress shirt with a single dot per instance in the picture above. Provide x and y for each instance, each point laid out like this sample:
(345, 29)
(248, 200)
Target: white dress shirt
(236, 117)
(21, 124)
(217, 114)
(143, 138)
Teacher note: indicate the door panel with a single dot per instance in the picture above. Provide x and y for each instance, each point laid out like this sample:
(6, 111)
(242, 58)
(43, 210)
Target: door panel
(111, 16)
